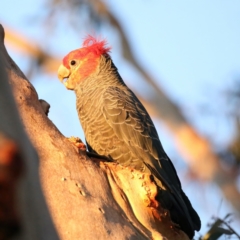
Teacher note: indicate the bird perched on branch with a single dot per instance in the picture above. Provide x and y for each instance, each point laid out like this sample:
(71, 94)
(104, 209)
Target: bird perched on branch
(117, 125)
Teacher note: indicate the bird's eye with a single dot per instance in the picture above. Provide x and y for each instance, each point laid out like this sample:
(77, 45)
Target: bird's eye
(73, 62)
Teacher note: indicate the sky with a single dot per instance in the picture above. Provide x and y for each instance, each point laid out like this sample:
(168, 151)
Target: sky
(190, 47)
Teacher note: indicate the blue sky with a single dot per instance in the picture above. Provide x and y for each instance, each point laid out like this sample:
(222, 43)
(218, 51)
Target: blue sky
(190, 47)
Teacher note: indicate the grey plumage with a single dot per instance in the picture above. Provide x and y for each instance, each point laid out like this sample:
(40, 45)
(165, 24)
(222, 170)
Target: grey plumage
(116, 125)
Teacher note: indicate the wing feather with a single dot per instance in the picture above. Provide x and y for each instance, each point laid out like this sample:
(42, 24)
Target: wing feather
(132, 124)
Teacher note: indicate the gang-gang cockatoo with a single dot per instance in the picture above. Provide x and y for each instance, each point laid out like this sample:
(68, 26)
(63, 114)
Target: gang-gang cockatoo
(117, 125)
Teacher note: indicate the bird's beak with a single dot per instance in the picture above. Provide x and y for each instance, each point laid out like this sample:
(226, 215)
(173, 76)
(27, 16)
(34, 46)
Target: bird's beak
(63, 73)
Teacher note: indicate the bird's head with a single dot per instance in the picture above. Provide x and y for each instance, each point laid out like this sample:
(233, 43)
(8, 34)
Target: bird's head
(81, 63)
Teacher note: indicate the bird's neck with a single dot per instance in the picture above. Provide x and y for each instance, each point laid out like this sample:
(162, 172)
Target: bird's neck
(90, 91)
(106, 75)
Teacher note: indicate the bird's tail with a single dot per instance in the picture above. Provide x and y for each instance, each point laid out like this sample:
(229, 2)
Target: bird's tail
(177, 203)
(180, 210)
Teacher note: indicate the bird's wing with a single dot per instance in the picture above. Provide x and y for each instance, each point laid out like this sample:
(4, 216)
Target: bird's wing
(131, 123)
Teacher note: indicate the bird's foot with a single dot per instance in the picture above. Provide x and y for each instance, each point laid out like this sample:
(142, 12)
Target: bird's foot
(97, 156)
(77, 142)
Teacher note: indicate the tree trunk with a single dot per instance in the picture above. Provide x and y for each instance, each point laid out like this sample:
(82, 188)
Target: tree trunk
(23, 211)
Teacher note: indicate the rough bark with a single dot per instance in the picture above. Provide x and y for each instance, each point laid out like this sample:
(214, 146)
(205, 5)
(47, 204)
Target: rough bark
(87, 198)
